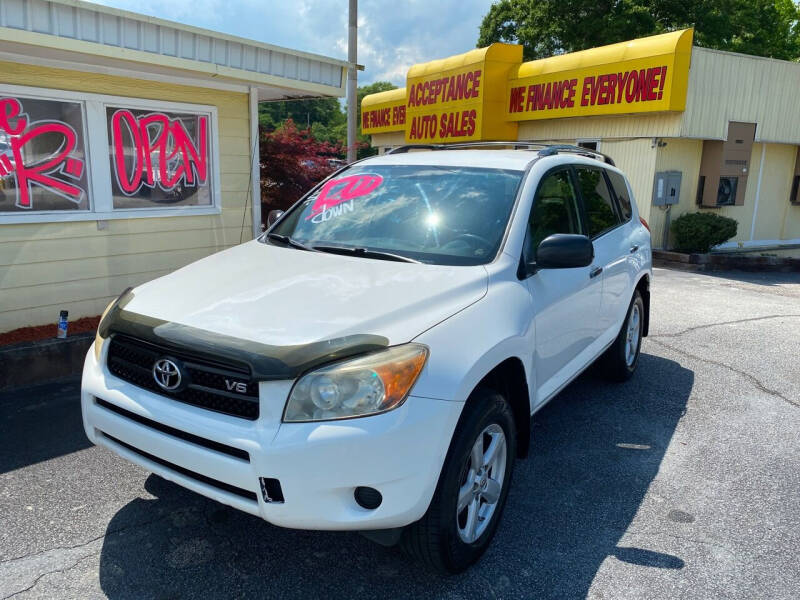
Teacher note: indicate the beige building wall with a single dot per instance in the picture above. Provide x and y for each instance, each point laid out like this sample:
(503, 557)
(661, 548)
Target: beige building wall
(45, 267)
(773, 204)
(385, 141)
(676, 155)
(613, 127)
(776, 218)
(724, 87)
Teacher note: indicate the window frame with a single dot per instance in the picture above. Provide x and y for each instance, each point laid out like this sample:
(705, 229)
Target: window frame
(97, 147)
(578, 206)
(611, 194)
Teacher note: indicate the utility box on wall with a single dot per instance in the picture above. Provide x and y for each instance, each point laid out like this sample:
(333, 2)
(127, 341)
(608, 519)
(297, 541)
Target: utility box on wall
(667, 188)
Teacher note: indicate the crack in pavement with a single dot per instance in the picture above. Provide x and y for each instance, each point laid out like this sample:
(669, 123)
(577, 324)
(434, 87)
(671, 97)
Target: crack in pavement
(754, 380)
(708, 325)
(86, 543)
(40, 577)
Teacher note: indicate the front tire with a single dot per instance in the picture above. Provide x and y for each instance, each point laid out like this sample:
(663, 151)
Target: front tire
(469, 499)
(621, 359)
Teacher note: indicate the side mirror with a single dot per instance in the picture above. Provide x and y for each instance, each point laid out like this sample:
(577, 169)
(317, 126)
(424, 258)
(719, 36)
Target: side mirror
(273, 216)
(564, 251)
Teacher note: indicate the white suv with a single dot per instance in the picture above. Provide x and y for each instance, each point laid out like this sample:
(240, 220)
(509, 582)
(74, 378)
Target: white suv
(372, 362)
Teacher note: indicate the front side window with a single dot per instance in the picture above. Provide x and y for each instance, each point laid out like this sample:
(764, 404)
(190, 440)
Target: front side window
(434, 214)
(158, 158)
(597, 201)
(555, 210)
(43, 164)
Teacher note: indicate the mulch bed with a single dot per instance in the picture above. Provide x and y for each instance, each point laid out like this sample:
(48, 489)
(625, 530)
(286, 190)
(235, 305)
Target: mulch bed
(44, 332)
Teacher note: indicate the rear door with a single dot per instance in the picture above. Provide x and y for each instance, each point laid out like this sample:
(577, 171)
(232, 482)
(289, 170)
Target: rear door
(566, 301)
(611, 239)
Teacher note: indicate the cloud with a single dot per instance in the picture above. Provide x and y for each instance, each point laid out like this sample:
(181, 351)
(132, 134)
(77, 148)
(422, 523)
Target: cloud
(392, 35)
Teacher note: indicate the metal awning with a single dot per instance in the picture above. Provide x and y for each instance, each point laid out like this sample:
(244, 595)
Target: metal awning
(78, 35)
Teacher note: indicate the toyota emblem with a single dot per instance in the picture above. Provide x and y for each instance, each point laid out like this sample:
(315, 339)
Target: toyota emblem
(167, 374)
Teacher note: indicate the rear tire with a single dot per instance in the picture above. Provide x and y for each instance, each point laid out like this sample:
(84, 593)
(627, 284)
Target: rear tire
(621, 359)
(469, 499)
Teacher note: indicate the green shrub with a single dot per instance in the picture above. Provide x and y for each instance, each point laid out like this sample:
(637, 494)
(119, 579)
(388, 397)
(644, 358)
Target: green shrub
(698, 232)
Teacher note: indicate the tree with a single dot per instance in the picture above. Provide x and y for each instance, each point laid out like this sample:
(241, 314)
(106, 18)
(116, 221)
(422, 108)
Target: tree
(292, 162)
(326, 111)
(548, 27)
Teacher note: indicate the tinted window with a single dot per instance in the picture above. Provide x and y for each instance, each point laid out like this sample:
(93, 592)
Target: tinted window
(621, 190)
(555, 210)
(441, 215)
(597, 200)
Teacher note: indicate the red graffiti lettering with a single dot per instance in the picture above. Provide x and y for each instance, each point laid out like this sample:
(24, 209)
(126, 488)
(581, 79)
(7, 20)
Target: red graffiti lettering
(343, 189)
(45, 171)
(179, 159)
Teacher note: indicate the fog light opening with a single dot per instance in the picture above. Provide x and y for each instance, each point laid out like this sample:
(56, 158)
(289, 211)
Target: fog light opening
(368, 497)
(271, 490)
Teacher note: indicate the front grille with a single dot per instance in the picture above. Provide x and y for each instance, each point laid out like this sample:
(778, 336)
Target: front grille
(177, 433)
(208, 381)
(221, 485)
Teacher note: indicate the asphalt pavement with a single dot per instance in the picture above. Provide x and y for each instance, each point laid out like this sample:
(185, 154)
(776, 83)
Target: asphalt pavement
(682, 483)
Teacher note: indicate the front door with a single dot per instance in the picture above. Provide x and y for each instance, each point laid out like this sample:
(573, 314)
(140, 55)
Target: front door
(566, 301)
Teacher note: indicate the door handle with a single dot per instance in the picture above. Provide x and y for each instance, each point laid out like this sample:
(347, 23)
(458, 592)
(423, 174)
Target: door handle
(595, 272)
(634, 249)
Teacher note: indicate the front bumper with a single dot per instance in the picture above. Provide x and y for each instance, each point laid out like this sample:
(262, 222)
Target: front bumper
(318, 465)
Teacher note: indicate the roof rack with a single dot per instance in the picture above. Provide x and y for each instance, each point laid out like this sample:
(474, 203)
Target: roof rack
(552, 150)
(543, 149)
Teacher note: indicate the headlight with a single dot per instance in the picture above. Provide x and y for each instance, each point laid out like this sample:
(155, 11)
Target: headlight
(357, 387)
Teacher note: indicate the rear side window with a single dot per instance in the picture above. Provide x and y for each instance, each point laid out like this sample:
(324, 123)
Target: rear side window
(621, 191)
(555, 210)
(597, 201)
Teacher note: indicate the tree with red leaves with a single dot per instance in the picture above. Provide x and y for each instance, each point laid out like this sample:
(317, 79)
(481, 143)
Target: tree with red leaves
(292, 162)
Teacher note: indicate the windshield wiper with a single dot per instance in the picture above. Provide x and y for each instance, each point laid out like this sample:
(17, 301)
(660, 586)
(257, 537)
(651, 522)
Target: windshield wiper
(365, 252)
(289, 241)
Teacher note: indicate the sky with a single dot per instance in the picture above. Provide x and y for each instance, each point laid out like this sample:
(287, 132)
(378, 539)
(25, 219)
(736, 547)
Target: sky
(392, 34)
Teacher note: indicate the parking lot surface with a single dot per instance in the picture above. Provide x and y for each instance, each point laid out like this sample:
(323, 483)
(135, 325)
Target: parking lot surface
(682, 483)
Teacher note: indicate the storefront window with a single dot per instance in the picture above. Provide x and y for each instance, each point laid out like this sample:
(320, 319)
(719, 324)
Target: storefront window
(43, 165)
(158, 159)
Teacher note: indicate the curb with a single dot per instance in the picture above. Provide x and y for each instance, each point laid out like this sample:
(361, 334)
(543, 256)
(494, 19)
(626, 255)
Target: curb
(723, 262)
(45, 360)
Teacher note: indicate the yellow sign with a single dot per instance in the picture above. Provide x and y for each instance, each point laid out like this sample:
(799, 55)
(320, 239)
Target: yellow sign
(384, 112)
(645, 75)
(461, 98)
(482, 94)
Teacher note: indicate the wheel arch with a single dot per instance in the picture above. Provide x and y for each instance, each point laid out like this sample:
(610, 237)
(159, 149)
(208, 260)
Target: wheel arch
(508, 378)
(643, 285)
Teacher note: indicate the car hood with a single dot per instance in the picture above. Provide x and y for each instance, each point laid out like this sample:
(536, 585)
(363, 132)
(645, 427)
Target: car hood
(283, 296)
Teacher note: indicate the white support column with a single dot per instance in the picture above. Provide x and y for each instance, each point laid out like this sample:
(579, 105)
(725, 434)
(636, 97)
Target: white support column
(758, 190)
(255, 166)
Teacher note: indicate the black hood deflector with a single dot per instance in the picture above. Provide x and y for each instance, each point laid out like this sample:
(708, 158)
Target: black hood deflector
(266, 362)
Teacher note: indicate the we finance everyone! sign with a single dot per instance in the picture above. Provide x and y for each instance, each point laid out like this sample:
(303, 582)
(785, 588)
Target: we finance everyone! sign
(645, 75)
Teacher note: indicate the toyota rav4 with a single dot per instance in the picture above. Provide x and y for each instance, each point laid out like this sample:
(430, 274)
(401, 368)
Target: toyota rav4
(372, 362)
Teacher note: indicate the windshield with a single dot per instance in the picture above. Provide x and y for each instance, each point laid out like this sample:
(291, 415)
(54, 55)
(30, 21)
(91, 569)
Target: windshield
(438, 215)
